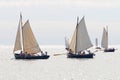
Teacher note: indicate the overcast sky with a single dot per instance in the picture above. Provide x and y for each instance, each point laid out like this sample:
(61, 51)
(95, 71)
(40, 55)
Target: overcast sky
(52, 20)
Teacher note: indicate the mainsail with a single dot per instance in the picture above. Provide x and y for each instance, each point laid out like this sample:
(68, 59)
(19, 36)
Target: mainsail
(104, 42)
(80, 40)
(30, 44)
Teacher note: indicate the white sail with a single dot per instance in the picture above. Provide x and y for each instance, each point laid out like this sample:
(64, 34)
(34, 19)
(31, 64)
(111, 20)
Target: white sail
(104, 42)
(83, 41)
(66, 42)
(17, 45)
(80, 40)
(30, 44)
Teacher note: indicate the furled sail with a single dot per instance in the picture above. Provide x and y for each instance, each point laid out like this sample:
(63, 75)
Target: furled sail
(104, 42)
(30, 44)
(17, 45)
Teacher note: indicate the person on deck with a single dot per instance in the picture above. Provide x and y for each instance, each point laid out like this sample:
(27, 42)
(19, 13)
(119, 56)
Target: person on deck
(20, 52)
(70, 51)
(83, 52)
(67, 49)
(46, 53)
(89, 51)
(79, 53)
(42, 53)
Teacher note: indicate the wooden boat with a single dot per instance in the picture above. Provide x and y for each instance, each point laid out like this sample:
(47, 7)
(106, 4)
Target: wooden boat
(26, 46)
(104, 43)
(80, 42)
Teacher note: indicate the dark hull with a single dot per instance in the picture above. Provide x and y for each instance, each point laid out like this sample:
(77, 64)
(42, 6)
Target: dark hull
(109, 50)
(19, 56)
(98, 48)
(80, 55)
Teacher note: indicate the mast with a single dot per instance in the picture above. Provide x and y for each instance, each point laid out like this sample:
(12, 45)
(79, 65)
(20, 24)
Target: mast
(107, 35)
(21, 25)
(76, 35)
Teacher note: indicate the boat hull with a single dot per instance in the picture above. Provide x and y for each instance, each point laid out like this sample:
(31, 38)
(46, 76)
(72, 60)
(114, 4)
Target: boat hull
(109, 50)
(97, 48)
(80, 55)
(19, 56)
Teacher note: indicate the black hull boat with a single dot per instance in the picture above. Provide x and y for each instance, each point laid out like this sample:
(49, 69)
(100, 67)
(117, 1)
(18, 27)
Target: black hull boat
(104, 43)
(80, 55)
(109, 50)
(26, 46)
(19, 56)
(80, 42)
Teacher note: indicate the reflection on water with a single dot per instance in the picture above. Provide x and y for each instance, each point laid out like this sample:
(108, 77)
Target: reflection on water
(104, 66)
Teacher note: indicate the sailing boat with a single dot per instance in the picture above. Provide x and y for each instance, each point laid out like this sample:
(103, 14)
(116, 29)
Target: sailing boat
(66, 43)
(104, 43)
(80, 42)
(96, 44)
(26, 46)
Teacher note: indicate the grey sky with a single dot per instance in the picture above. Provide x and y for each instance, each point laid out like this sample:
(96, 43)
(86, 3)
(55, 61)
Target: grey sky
(52, 20)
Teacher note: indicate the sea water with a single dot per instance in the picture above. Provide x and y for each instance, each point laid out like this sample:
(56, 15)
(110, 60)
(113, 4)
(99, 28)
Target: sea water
(104, 66)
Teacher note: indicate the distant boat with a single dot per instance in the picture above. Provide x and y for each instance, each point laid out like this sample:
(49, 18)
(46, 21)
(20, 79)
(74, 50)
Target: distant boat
(104, 43)
(67, 44)
(80, 42)
(96, 44)
(26, 46)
